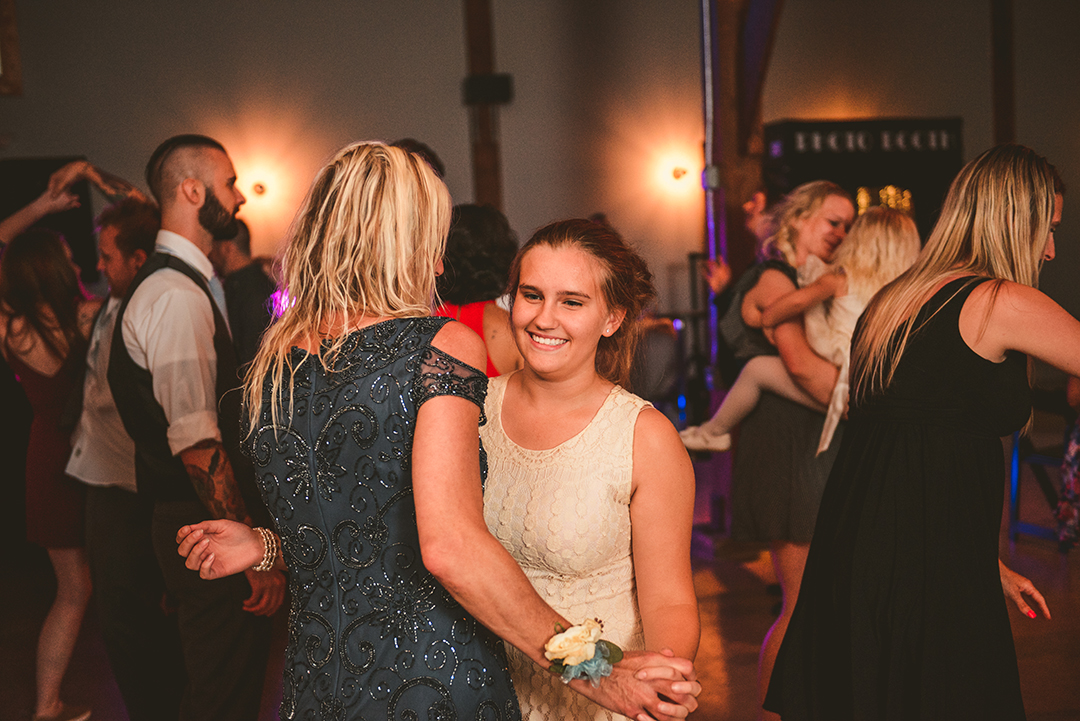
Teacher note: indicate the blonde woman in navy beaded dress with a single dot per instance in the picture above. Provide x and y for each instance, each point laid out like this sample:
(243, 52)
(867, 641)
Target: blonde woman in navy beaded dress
(363, 414)
(589, 487)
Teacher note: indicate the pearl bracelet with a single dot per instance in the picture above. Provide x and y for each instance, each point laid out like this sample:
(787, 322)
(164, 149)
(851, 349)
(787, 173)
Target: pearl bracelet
(271, 546)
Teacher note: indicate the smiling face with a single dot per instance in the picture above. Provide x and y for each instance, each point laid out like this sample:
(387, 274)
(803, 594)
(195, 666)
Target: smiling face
(821, 232)
(559, 312)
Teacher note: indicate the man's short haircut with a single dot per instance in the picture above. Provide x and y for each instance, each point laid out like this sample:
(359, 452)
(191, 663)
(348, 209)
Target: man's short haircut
(242, 241)
(158, 177)
(136, 221)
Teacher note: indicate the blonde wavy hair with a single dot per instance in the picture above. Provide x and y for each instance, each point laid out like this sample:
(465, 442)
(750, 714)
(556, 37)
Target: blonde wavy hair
(365, 244)
(994, 224)
(881, 244)
(800, 203)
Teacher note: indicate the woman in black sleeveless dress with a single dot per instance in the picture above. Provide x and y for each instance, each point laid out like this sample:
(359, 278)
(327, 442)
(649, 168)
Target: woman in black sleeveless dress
(902, 612)
(363, 417)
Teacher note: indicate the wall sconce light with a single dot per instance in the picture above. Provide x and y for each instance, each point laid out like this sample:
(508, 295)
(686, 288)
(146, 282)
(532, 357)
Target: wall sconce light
(258, 188)
(673, 172)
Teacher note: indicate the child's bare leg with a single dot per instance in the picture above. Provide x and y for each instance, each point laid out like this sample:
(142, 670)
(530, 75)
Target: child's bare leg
(763, 373)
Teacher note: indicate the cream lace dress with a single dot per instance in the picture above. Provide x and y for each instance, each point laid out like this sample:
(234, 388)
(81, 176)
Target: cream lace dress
(564, 514)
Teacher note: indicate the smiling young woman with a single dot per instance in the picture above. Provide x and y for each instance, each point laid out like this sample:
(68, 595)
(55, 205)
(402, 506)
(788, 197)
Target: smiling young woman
(589, 487)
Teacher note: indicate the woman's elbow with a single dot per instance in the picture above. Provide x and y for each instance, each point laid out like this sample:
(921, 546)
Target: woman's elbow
(442, 555)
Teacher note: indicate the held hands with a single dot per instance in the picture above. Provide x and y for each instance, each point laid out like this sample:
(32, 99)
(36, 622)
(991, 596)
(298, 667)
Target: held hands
(1016, 587)
(267, 591)
(60, 182)
(647, 685)
(58, 196)
(48, 202)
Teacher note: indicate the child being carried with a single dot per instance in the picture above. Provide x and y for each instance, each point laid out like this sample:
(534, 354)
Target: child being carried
(882, 244)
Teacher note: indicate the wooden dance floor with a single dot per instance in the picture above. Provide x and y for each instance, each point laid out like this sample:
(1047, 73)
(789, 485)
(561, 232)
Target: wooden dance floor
(736, 610)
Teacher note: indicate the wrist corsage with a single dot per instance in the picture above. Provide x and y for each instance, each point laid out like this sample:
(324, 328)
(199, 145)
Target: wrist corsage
(579, 652)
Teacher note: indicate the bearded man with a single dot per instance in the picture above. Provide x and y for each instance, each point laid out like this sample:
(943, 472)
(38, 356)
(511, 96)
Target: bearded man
(172, 372)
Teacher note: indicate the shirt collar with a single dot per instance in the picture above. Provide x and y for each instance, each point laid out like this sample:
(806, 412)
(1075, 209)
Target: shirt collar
(177, 245)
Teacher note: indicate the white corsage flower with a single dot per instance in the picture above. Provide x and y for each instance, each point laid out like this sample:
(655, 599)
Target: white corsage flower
(574, 645)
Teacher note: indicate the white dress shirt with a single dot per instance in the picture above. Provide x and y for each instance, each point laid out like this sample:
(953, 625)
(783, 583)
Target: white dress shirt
(102, 453)
(169, 330)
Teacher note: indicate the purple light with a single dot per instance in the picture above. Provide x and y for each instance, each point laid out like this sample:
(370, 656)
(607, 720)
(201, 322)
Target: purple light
(280, 300)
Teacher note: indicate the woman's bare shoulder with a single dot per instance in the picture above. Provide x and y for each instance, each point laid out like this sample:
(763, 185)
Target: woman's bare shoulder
(1005, 298)
(771, 285)
(460, 341)
(653, 432)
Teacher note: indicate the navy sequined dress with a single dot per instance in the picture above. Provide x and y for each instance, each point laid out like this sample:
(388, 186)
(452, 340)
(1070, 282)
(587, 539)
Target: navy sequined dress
(372, 634)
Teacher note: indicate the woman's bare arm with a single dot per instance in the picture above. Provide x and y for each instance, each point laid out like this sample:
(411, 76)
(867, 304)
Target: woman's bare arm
(474, 567)
(661, 515)
(811, 372)
(1022, 319)
(796, 303)
(771, 287)
(44, 204)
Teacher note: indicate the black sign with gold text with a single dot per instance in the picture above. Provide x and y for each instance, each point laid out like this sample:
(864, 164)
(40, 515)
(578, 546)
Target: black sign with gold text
(913, 159)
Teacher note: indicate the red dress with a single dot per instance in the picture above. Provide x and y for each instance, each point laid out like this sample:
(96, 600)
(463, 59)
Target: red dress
(55, 502)
(472, 315)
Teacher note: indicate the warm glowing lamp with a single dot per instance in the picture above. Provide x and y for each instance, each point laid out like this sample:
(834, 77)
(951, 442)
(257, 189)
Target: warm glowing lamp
(673, 174)
(272, 198)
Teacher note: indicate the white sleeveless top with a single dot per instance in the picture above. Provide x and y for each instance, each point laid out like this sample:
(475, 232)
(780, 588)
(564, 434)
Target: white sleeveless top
(829, 327)
(564, 515)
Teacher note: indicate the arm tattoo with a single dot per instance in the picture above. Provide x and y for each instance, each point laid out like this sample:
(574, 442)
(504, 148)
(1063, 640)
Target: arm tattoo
(212, 477)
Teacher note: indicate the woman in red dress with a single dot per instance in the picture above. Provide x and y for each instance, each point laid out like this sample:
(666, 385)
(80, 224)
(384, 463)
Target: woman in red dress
(45, 320)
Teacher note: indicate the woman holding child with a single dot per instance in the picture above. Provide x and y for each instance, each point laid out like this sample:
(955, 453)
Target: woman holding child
(778, 477)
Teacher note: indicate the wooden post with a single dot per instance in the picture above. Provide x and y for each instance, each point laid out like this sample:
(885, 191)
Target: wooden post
(483, 118)
(1001, 33)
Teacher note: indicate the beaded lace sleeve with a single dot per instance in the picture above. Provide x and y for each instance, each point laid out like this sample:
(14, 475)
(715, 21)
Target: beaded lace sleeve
(443, 375)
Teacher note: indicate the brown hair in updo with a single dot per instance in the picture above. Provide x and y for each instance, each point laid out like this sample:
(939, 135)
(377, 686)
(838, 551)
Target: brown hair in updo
(627, 285)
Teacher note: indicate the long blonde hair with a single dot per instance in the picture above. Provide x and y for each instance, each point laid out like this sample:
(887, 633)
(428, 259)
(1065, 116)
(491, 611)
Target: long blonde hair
(881, 244)
(995, 223)
(802, 202)
(365, 244)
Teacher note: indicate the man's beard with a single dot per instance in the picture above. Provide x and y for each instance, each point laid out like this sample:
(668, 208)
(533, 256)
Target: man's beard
(219, 222)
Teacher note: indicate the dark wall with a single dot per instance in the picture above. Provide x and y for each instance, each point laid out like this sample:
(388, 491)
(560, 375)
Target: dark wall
(841, 59)
(607, 94)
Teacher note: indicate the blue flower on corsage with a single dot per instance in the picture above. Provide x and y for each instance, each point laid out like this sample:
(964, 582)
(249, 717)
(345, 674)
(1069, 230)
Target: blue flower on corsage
(579, 652)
